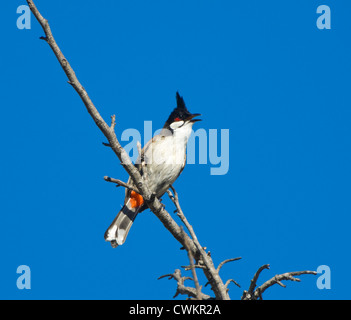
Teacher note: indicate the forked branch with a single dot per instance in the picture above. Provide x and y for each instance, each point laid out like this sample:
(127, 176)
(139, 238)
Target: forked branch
(255, 294)
(182, 289)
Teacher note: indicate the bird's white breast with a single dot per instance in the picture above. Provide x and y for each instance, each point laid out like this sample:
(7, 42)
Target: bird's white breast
(165, 158)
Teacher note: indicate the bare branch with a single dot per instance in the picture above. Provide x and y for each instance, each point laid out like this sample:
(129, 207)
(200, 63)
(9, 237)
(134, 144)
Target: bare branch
(192, 267)
(198, 266)
(68, 70)
(253, 294)
(185, 290)
(121, 183)
(226, 261)
(210, 271)
(113, 122)
(280, 277)
(255, 278)
(231, 280)
(169, 276)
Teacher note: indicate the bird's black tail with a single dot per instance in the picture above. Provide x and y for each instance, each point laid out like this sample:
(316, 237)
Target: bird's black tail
(118, 230)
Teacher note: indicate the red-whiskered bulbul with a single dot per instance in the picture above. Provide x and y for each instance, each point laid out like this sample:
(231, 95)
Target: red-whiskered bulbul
(163, 160)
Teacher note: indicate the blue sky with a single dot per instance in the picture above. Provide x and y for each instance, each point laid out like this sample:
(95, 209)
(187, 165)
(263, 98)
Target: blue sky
(263, 70)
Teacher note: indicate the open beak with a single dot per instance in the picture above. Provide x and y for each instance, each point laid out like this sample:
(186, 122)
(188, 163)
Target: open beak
(191, 118)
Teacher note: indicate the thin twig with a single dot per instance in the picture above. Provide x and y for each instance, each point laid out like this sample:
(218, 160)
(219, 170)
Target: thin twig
(185, 290)
(197, 266)
(226, 261)
(255, 278)
(121, 183)
(280, 277)
(193, 271)
(231, 280)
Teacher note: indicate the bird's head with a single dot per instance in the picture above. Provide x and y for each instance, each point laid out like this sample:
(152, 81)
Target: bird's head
(180, 119)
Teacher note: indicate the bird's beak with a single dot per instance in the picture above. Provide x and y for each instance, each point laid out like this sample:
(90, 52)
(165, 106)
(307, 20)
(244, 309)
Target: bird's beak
(191, 118)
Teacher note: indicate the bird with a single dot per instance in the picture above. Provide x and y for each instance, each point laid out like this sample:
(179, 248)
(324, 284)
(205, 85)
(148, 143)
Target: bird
(160, 163)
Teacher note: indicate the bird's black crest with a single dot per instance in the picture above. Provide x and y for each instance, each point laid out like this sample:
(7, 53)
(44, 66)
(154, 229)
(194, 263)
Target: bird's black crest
(180, 111)
(180, 102)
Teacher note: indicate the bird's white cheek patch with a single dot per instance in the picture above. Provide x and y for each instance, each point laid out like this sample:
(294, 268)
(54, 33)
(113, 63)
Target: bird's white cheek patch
(176, 125)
